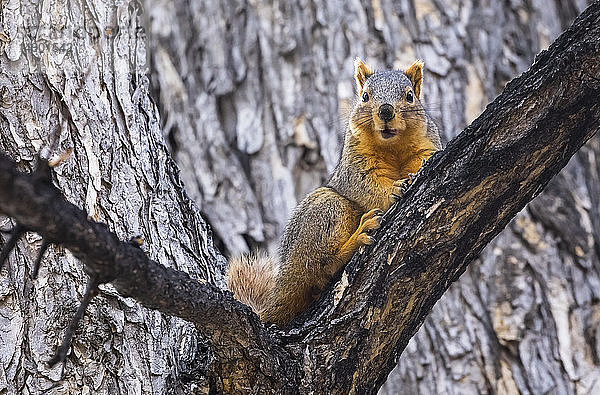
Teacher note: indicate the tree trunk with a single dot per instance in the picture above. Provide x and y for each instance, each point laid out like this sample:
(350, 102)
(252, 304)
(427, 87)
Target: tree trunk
(523, 317)
(72, 78)
(250, 105)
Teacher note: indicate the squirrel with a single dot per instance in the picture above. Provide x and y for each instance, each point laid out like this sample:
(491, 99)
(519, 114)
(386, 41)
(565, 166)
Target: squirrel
(389, 137)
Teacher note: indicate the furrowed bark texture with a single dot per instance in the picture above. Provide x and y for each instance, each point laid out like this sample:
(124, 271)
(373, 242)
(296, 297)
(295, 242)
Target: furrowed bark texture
(72, 77)
(464, 197)
(239, 343)
(121, 160)
(525, 316)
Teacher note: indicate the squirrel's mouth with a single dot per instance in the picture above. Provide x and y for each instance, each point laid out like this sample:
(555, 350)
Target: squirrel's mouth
(388, 133)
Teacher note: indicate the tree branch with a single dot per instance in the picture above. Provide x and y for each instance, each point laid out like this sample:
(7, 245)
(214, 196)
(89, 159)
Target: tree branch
(235, 332)
(460, 200)
(351, 338)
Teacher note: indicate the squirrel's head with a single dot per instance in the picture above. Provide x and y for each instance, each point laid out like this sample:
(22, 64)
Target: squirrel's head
(388, 102)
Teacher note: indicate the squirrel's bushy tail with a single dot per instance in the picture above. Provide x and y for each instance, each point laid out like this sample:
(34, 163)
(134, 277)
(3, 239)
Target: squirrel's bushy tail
(251, 278)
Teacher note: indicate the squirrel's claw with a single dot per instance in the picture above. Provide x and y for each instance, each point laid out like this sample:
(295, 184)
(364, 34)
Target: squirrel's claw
(369, 222)
(15, 234)
(401, 186)
(406, 183)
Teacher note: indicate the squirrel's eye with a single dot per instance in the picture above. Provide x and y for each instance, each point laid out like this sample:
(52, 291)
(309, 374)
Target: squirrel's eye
(409, 97)
(365, 97)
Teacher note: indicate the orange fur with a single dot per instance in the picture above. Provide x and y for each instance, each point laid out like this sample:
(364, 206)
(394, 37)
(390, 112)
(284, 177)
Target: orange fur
(392, 159)
(361, 73)
(333, 222)
(415, 74)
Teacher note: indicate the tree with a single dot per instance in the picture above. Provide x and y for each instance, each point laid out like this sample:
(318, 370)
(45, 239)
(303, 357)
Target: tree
(587, 123)
(497, 328)
(74, 78)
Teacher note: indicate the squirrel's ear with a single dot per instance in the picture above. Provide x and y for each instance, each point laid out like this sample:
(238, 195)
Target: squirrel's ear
(415, 75)
(361, 73)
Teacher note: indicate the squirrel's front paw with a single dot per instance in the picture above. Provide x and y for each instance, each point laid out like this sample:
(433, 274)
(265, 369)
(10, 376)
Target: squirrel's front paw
(368, 223)
(400, 187)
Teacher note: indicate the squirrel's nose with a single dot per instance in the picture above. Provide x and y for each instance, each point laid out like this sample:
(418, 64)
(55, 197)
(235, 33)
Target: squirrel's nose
(386, 112)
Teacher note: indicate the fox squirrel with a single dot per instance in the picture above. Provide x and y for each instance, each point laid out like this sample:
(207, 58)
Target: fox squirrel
(389, 136)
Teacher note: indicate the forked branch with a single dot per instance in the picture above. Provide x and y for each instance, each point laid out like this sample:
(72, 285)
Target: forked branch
(350, 339)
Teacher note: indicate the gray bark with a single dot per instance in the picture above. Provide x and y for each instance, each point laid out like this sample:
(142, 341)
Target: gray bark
(72, 77)
(523, 317)
(246, 178)
(348, 342)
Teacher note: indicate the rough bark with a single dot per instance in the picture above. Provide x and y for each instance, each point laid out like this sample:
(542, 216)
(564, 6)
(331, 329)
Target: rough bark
(72, 77)
(465, 196)
(513, 319)
(236, 335)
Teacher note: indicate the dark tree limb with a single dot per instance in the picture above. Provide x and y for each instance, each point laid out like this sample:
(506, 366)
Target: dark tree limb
(38, 260)
(236, 332)
(349, 341)
(15, 235)
(463, 198)
(61, 353)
